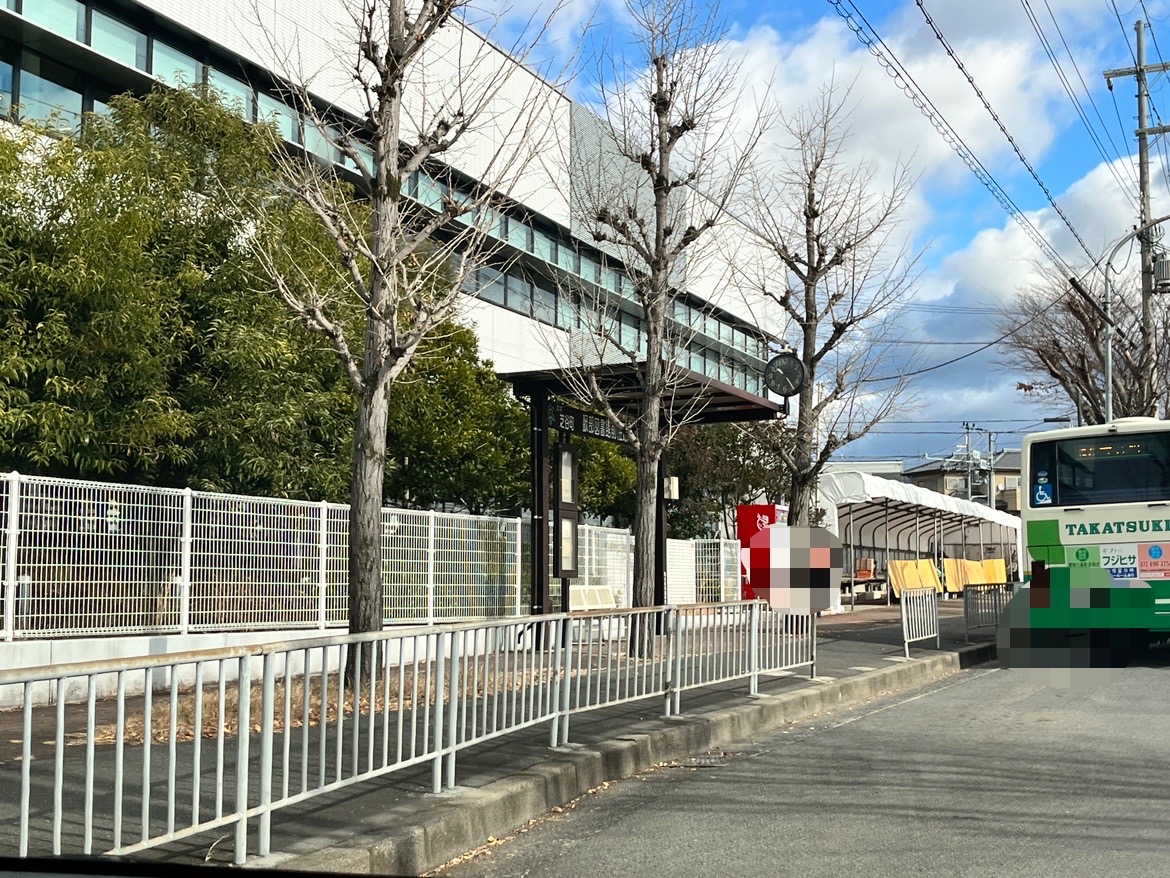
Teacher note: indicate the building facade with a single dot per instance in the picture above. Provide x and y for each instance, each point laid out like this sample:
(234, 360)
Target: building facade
(61, 59)
(960, 477)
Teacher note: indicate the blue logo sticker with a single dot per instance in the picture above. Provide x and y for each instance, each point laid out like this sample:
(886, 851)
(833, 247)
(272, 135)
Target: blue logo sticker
(1155, 551)
(1042, 495)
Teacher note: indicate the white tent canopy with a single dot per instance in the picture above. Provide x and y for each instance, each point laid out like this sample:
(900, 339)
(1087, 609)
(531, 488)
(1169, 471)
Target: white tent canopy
(894, 519)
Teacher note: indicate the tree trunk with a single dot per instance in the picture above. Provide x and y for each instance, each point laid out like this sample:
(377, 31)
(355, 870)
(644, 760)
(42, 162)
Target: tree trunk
(645, 529)
(365, 526)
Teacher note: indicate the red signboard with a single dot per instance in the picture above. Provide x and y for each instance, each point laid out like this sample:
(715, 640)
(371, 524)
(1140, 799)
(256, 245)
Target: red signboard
(749, 521)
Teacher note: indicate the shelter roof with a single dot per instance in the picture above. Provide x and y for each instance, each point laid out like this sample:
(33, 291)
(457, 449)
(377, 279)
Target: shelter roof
(840, 491)
(693, 398)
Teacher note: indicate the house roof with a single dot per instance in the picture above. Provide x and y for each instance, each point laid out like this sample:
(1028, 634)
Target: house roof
(1007, 460)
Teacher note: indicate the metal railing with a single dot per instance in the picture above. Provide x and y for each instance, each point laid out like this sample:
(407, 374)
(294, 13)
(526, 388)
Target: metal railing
(919, 617)
(95, 558)
(983, 604)
(136, 753)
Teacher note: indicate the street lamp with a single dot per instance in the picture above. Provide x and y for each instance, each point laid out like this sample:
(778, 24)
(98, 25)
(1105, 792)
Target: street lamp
(1107, 311)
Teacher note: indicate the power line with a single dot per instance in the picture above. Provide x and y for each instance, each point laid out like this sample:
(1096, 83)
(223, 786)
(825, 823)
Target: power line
(941, 37)
(1048, 50)
(869, 37)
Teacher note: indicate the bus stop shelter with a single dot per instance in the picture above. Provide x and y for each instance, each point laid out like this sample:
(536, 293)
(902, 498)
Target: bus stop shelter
(885, 520)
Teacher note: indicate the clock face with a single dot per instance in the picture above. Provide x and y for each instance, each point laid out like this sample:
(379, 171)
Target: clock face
(784, 374)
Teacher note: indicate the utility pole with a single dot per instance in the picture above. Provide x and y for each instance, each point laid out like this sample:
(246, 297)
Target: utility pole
(1148, 399)
(970, 474)
(991, 469)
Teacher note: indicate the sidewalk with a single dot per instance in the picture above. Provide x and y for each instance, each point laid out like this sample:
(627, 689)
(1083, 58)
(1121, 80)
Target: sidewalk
(396, 826)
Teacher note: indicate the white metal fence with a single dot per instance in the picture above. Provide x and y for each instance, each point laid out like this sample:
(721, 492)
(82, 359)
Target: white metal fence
(919, 617)
(135, 753)
(94, 558)
(982, 606)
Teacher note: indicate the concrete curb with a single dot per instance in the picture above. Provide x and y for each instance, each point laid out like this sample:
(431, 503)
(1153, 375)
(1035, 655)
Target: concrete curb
(445, 828)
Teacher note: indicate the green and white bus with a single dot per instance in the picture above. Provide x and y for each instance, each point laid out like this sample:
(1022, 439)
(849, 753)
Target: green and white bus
(1096, 500)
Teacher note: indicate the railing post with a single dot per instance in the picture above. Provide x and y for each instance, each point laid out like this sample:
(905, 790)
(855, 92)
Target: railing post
(754, 620)
(267, 713)
(440, 683)
(322, 563)
(454, 703)
(559, 690)
(431, 567)
(519, 564)
(185, 542)
(11, 543)
(243, 729)
(812, 634)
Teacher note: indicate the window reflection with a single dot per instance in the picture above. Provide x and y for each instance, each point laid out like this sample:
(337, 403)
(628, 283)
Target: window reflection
(5, 89)
(281, 115)
(119, 41)
(64, 17)
(174, 67)
(235, 95)
(46, 97)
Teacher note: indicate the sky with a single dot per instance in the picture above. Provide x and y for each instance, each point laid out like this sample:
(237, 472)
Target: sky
(975, 256)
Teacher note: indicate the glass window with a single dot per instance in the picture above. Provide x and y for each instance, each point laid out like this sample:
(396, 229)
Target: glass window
(64, 17)
(545, 247)
(49, 94)
(10, 4)
(519, 235)
(568, 258)
(491, 285)
(317, 142)
(173, 67)
(430, 192)
(5, 89)
(1122, 468)
(236, 96)
(544, 305)
(100, 108)
(519, 294)
(281, 115)
(120, 41)
(568, 313)
(697, 360)
(367, 157)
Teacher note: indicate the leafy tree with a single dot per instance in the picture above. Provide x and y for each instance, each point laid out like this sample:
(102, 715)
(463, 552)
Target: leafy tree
(607, 478)
(722, 466)
(455, 436)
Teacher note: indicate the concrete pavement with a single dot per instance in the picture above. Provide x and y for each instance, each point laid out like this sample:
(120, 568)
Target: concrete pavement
(400, 828)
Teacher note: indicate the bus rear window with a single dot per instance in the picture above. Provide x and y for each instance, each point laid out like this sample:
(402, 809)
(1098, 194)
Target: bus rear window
(1122, 468)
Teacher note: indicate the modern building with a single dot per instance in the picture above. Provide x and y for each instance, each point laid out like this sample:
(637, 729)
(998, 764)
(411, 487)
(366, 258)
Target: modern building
(951, 477)
(60, 59)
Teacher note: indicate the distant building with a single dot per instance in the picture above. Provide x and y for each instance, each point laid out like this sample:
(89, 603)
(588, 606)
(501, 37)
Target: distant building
(951, 476)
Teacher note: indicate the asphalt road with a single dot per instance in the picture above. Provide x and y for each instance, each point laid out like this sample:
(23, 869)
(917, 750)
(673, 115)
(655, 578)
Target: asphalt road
(986, 774)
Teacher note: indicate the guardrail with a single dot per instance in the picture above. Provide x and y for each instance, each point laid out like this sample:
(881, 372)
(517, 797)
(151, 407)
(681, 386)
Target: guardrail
(983, 604)
(135, 753)
(919, 617)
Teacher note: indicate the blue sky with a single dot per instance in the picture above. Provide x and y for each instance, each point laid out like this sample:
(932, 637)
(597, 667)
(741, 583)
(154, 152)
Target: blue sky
(976, 255)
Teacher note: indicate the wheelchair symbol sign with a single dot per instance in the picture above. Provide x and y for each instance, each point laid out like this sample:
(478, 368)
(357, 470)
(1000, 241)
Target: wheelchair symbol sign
(1042, 495)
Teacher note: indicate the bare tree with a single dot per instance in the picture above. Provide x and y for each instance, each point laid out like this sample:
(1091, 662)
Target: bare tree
(399, 250)
(668, 164)
(847, 268)
(1057, 341)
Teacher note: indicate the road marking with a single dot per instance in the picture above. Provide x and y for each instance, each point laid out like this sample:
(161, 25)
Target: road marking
(896, 658)
(862, 668)
(824, 679)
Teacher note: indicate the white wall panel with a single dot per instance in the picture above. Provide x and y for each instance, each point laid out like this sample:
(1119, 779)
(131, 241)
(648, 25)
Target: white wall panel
(728, 266)
(519, 142)
(513, 342)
